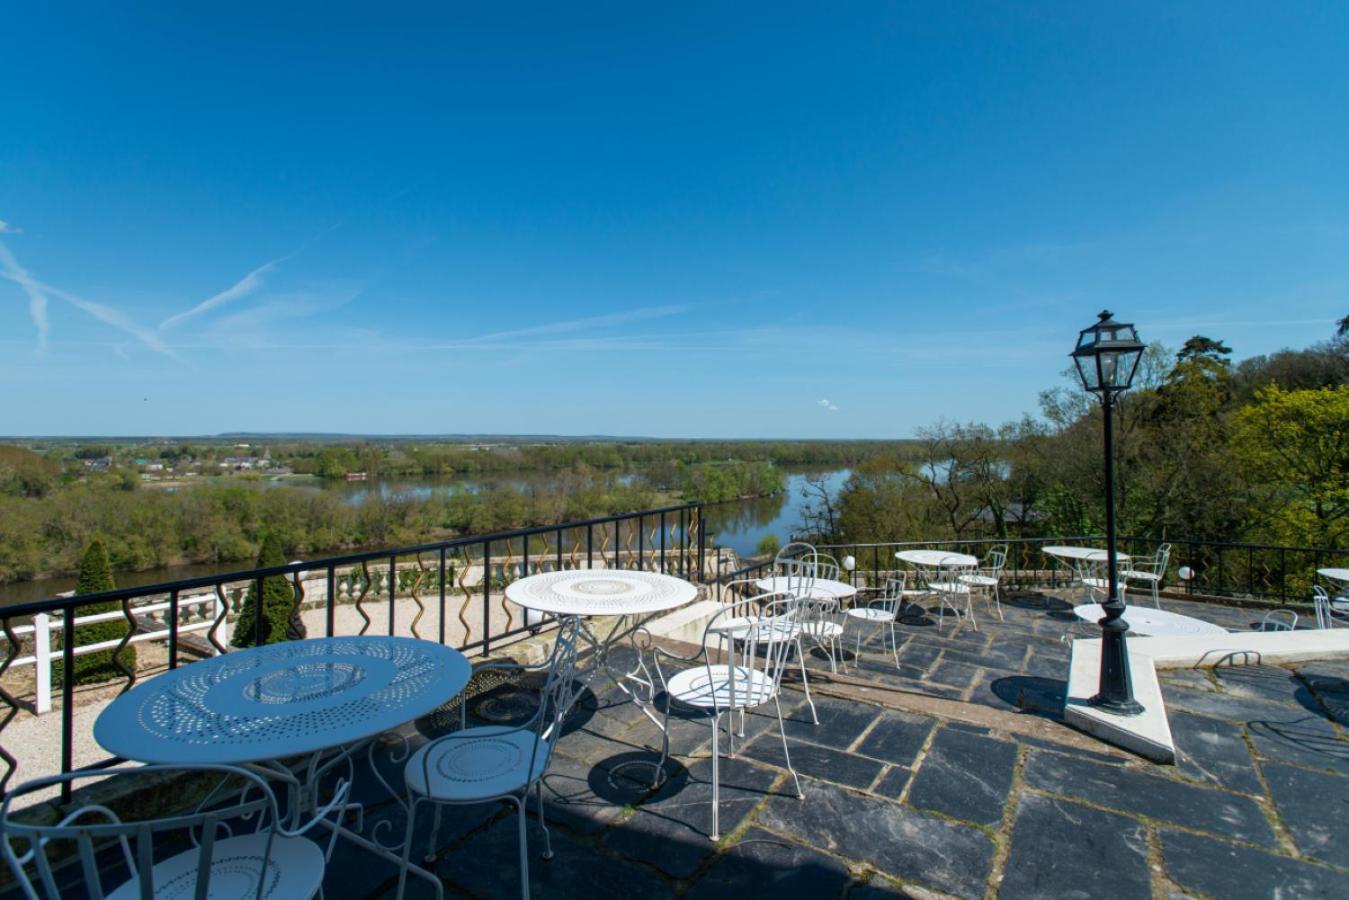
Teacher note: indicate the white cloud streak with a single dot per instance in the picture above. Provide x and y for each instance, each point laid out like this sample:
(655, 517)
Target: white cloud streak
(35, 289)
(244, 286)
(241, 288)
(37, 300)
(826, 405)
(621, 318)
(7, 228)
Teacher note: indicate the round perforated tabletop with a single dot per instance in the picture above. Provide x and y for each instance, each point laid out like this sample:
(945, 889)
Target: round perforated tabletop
(600, 592)
(281, 700)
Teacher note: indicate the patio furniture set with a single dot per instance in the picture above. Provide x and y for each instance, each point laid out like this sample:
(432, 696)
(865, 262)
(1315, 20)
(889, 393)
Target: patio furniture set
(277, 729)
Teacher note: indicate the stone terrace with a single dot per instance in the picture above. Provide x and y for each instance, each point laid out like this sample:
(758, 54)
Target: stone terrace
(950, 776)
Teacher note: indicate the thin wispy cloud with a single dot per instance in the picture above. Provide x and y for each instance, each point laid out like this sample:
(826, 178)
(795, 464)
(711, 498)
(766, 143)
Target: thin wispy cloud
(240, 289)
(826, 405)
(589, 322)
(7, 228)
(37, 300)
(38, 292)
(244, 287)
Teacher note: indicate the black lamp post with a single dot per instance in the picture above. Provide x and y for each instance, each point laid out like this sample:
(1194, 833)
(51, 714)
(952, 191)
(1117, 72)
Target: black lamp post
(1107, 356)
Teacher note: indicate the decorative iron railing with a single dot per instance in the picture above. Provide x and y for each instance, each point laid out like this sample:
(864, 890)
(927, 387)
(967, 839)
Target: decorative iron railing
(452, 592)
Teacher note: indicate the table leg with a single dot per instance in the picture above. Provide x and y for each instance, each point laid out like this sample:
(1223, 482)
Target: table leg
(627, 628)
(304, 800)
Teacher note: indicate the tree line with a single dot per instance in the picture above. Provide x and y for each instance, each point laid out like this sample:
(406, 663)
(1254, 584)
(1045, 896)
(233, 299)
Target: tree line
(1204, 448)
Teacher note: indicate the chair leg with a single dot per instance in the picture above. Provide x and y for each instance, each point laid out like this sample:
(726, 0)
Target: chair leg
(716, 778)
(894, 643)
(664, 747)
(430, 856)
(547, 838)
(786, 754)
(524, 846)
(407, 846)
(805, 682)
(997, 600)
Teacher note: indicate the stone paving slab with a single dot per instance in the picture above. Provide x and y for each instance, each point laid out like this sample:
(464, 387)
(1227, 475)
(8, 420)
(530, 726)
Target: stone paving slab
(965, 776)
(1058, 849)
(1221, 869)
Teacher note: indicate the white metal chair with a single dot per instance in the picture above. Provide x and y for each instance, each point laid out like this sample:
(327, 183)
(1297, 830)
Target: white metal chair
(737, 628)
(1093, 575)
(1331, 612)
(948, 581)
(881, 614)
(987, 578)
(798, 563)
(1150, 570)
(1279, 620)
(497, 762)
(239, 846)
(827, 567)
(749, 677)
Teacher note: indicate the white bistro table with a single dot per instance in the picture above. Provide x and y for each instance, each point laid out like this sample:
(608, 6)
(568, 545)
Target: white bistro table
(935, 558)
(258, 706)
(820, 588)
(1334, 574)
(1083, 554)
(631, 596)
(1152, 622)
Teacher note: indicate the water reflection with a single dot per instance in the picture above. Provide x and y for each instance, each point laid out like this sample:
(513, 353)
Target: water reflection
(742, 524)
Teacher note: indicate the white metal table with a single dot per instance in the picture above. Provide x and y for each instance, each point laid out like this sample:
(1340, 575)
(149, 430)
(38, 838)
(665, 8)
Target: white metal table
(1081, 554)
(1152, 622)
(820, 588)
(940, 558)
(1335, 574)
(633, 597)
(258, 706)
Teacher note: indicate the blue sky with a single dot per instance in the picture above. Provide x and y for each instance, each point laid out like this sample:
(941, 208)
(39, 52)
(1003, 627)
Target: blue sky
(757, 220)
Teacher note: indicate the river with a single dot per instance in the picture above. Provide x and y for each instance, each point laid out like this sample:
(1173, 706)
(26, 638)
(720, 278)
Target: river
(739, 525)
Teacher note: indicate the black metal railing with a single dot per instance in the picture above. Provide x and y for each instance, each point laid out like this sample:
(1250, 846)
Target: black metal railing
(449, 591)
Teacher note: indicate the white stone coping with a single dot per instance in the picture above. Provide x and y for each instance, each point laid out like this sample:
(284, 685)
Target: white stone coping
(1149, 734)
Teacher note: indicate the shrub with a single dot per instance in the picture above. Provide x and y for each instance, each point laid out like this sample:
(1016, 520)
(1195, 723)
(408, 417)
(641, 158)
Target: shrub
(278, 601)
(99, 666)
(769, 545)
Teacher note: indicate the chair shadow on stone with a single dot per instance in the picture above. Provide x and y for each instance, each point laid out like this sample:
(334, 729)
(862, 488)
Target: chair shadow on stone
(625, 779)
(1308, 739)
(1325, 695)
(914, 615)
(1030, 694)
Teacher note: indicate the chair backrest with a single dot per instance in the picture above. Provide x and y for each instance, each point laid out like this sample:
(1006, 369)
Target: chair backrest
(1095, 566)
(893, 599)
(240, 803)
(798, 563)
(1279, 620)
(764, 626)
(1321, 601)
(827, 567)
(995, 561)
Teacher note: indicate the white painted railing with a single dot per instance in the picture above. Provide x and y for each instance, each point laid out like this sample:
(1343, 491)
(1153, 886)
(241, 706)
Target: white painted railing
(45, 652)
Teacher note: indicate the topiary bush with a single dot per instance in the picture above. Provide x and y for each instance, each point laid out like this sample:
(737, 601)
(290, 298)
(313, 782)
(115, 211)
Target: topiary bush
(278, 599)
(99, 666)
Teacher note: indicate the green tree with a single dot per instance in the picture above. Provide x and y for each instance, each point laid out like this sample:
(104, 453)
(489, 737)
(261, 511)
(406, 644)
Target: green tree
(1294, 446)
(92, 668)
(769, 545)
(278, 600)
